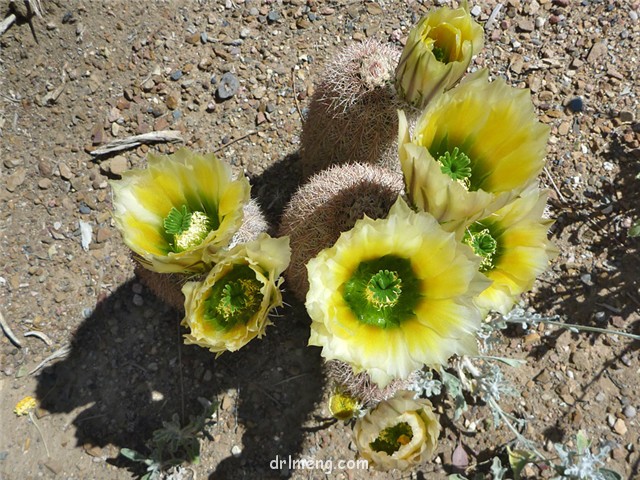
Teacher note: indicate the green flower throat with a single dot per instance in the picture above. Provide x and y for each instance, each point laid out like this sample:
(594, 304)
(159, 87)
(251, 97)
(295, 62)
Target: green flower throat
(188, 229)
(382, 292)
(392, 438)
(234, 299)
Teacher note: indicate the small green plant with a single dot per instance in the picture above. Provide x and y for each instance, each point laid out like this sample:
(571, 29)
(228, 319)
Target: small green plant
(482, 378)
(172, 445)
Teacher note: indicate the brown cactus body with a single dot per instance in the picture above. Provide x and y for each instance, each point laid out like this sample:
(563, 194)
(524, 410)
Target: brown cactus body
(353, 112)
(330, 203)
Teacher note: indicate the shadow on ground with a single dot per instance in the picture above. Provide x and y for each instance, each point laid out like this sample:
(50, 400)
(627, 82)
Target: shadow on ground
(128, 370)
(606, 294)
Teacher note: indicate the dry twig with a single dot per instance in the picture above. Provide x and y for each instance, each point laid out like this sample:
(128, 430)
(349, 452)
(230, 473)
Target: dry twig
(62, 352)
(40, 335)
(6, 23)
(235, 140)
(8, 332)
(170, 136)
(295, 95)
(554, 185)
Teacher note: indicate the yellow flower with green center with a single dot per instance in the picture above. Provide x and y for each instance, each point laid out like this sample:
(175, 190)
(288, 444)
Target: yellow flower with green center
(398, 433)
(514, 249)
(179, 209)
(437, 54)
(472, 151)
(394, 294)
(231, 305)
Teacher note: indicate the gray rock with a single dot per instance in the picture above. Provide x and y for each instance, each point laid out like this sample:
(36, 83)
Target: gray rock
(228, 86)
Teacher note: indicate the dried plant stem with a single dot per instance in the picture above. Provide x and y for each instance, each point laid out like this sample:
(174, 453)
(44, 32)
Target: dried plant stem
(507, 420)
(8, 332)
(571, 326)
(235, 140)
(42, 336)
(62, 352)
(136, 140)
(6, 23)
(33, 420)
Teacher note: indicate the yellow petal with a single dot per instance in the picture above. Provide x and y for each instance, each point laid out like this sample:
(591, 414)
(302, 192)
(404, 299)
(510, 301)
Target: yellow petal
(445, 319)
(144, 198)
(421, 75)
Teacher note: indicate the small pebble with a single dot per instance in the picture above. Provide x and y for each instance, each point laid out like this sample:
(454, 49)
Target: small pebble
(629, 411)
(176, 75)
(138, 301)
(273, 16)
(228, 86)
(586, 279)
(620, 427)
(236, 450)
(576, 105)
(476, 10)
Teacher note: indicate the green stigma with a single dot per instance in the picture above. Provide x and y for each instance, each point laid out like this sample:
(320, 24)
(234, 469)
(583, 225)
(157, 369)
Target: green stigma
(440, 54)
(189, 229)
(382, 292)
(457, 165)
(392, 438)
(384, 289)
(234, 299)
(483, 244)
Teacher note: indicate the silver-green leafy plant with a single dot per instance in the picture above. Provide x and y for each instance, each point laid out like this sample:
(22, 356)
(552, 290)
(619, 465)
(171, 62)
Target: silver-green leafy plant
(173, 445)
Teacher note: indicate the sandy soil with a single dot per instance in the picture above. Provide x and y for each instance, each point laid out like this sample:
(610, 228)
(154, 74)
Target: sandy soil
(88, 72)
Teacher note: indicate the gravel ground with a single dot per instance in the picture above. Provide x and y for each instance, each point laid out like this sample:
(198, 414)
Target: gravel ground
(235, 77)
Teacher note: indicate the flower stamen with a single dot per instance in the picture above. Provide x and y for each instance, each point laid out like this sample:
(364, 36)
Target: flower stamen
(189, 229)
(457, 165)
(235, 299)
(382, 292)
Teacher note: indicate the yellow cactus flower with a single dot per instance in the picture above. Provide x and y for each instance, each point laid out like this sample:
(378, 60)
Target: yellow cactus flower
(176, 209)
(437, 54)
(514, 249)
(472, 151)
(24, 406)
(343, 406)
(394, 294)
(231, 305)
(399, 433)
